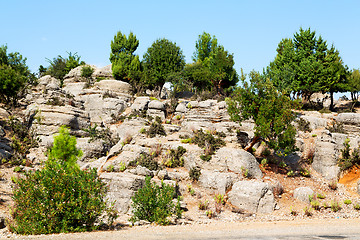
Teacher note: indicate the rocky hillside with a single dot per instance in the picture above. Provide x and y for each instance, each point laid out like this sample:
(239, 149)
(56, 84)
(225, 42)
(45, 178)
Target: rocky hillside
(127, 138)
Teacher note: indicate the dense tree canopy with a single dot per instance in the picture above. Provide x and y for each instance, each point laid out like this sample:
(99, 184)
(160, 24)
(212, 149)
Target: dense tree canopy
(269, 108)
(354, 84)
(15, 76)
(125, 64)
(218, 61)
(162, 59)
(305, 64)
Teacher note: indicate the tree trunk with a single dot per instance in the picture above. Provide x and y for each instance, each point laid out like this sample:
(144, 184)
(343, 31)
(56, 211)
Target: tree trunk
(249, 147)
(331, 101)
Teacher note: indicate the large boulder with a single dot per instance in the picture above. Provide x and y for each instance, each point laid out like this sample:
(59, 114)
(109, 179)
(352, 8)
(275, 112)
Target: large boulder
(303, 193)
(103, 109)
(349, 118)
(252, 196)
(217, 181)
(327, 151)
(238, 161)
(116, 86)
(140, 104)
(122, 186)
(104, 72)
(48, 82)
(91, 149)
(75, 74)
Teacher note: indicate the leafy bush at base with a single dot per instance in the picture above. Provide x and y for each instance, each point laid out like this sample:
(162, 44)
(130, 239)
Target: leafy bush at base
(60, 197)
(154, 203)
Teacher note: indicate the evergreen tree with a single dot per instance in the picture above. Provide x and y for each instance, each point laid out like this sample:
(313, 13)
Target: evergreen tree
(162, 59)
(125, 64)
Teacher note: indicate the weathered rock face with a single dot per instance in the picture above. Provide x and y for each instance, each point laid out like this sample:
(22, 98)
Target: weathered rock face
(104, 72)
(303, 193)
(252, 196)
(140, 104)
(102, 109)
(115, 86)
(217, 181)
(48, 82)
(320, 100)
(327, 151)
(238, 161)
(122, 187)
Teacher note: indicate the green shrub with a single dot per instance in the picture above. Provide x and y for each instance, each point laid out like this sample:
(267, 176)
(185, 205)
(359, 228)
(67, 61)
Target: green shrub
(87, 71)
(203, 140)
(315, 204)
(348, 160)
(320, 196)
(303, 125)
(186, 140)
(203, 205)
(175, 158)
(335, 206)
(154, 203)
(60, 197)
(195, 173)
(347, 201)
(205, 158)
(357, 206)
(145, 160)
(156, 128)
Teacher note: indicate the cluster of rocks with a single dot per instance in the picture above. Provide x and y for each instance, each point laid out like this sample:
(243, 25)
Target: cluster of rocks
(108, 103)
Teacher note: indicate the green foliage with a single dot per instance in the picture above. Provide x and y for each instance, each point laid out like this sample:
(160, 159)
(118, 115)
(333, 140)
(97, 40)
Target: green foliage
(162, 58)
(22, 139)
(354, 84)
(208, 141)
(357, 206)
(87, 71)
(305, 173)
(125, 64)
(154, 203)
(156, 128)
(218, 62)
(64, 150)
(60, 197)
(203, 205)
(101, 133)
(315, 204)
(175, 158)
(205, 157)
(15, 76)
(335, 206)
(305, 64)
(60, 66)
(303, 125)
(195, 173)
(320, 196)
(347, 159)
(270, 110)
(145, 160)
(347, 201)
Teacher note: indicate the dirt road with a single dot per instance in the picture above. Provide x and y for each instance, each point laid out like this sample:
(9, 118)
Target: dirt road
(310, 229)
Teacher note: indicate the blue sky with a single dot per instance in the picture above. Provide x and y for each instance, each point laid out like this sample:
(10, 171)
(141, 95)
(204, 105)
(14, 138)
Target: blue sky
(250, 30)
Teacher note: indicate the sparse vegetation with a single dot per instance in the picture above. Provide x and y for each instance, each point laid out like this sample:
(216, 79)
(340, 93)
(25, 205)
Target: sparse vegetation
(347, 201)
(335, 206)
(347, 159)
(203, 205)
(303, 125)
(175, 157)
(145, 160)
(156, 128)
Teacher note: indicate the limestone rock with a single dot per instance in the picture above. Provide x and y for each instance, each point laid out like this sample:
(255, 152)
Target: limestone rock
(103, 109)
(156, 104)
(104, 72)
(238, 160)
(349, 118)
(141, 171)
(140, 104)
(252, 196)
(217, 181)
(303, 193)
(116, 86)
(122, 187)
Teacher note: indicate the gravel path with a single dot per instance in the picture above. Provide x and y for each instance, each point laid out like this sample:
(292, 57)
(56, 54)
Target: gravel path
(310, 229)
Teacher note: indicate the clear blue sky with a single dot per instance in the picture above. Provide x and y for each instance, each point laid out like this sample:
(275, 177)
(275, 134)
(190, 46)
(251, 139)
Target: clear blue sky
(250, 30)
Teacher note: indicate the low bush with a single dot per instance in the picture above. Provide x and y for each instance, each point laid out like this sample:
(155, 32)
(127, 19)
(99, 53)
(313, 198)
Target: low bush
(195, 173)
(347, 159)
(335, 206)
(145, 160)
(175, 157)
(303, 125)
(156, 128)
(60, 197)
(154, 203)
